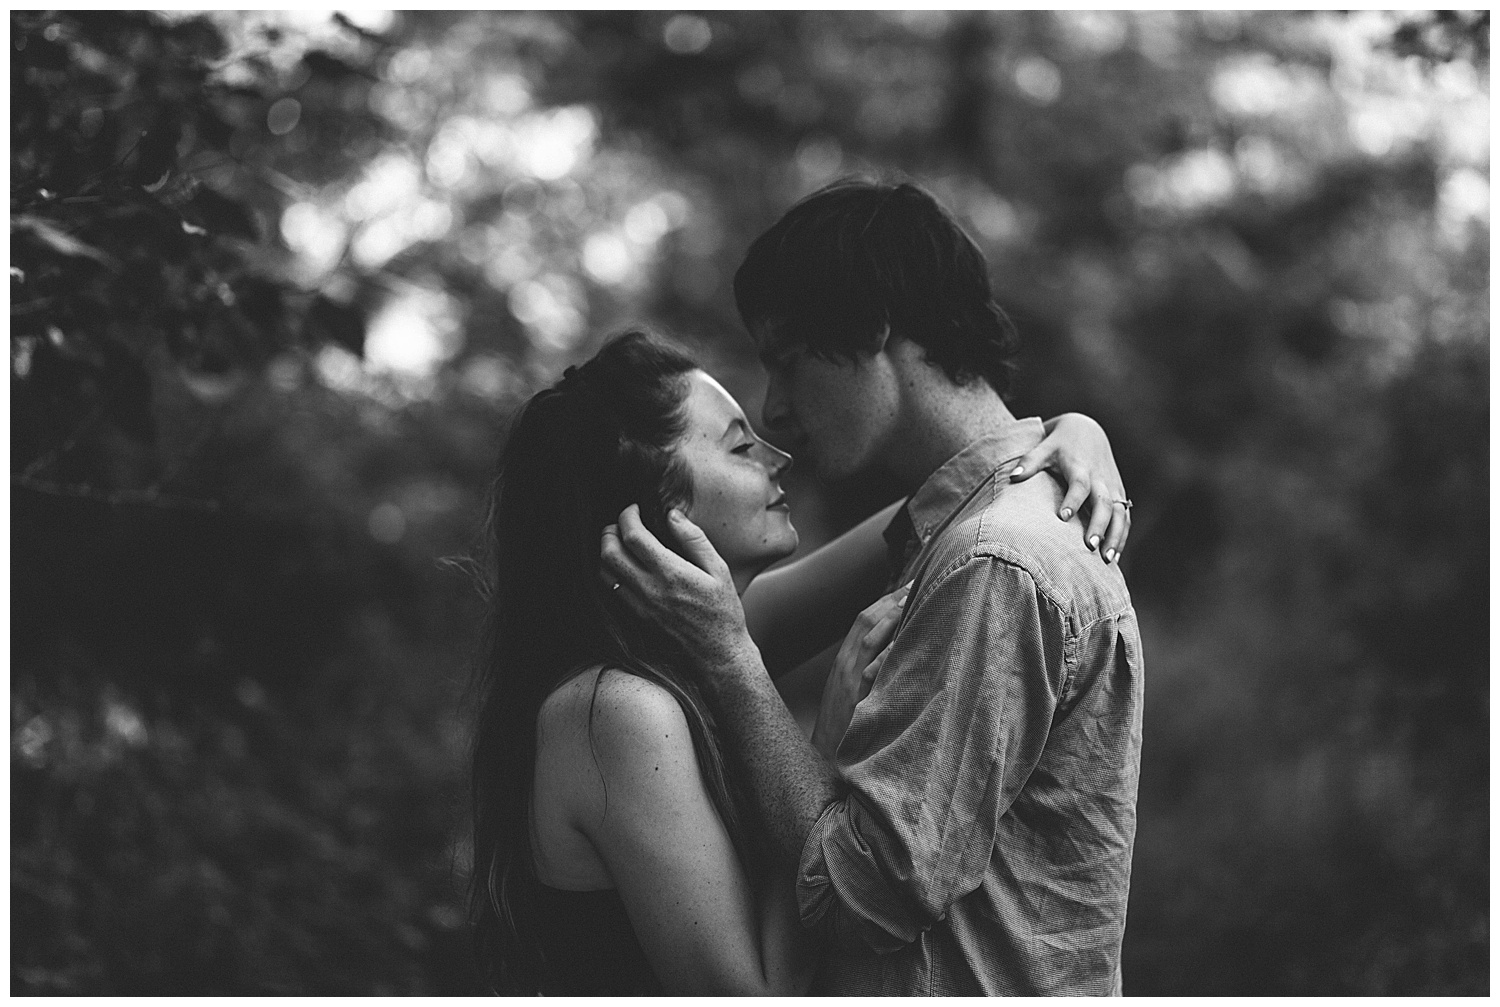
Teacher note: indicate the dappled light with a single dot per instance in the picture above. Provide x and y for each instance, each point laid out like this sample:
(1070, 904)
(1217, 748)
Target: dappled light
(279, 280)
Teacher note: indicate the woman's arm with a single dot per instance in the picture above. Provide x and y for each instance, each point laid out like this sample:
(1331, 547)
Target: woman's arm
(1077, 450)
(690, 902)
(796, 610)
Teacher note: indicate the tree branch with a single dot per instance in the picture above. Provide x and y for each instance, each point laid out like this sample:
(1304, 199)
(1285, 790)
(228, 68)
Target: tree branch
(115, 498)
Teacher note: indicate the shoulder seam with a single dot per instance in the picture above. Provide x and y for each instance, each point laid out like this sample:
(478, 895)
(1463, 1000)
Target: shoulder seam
(1044, 585)
(977, 554)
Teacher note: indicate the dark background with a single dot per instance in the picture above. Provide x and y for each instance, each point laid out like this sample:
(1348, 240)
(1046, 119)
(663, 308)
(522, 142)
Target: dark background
(277, 280)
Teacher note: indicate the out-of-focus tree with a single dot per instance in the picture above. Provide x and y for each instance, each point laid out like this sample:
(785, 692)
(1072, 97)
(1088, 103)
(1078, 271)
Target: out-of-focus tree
(279, 277)
(233, 769)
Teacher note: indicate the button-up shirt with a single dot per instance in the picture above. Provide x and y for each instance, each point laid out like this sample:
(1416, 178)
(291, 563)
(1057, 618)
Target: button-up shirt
(983, 845)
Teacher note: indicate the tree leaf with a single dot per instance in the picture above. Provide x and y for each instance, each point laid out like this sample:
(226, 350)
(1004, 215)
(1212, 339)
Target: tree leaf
(59, 240)
(156, 154)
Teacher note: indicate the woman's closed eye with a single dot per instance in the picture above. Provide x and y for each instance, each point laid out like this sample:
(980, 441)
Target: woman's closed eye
(742, 449)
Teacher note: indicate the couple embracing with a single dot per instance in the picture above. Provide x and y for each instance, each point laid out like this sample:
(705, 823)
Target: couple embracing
(648, 816)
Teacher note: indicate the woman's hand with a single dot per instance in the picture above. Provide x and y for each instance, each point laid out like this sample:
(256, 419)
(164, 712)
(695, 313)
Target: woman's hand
(854, 670)
(1077, 448)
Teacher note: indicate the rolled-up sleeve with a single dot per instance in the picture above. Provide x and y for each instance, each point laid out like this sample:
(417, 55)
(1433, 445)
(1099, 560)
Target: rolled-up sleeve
(935, 755)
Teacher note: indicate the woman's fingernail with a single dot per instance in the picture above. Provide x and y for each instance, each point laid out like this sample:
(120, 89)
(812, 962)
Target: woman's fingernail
(1093, 541)
(1109, 555)
(901, 602)
(1065, 513)
(1018, 470)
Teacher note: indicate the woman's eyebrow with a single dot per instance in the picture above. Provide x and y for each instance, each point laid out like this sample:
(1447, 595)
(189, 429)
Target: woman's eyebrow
(736, 422)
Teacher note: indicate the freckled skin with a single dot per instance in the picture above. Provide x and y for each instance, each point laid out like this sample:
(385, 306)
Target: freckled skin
(840, 416)
(735, 477)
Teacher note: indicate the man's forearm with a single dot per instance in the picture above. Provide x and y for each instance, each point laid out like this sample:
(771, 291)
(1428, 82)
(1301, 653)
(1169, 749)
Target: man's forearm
(790, 782)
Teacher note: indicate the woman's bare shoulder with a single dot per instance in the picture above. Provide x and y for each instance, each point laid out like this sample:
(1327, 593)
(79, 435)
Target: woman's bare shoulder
(622, 714)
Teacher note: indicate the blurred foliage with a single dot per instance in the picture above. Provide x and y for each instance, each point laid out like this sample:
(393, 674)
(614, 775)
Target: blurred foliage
(278, 278)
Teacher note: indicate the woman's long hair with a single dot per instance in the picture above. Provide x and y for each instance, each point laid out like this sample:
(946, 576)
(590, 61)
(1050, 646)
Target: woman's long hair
(578, 454)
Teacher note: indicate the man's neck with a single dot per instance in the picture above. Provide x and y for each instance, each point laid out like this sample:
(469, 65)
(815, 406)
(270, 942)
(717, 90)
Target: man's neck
(941, 419)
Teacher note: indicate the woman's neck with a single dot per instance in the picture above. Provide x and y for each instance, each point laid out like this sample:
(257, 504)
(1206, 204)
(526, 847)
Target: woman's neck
(743, 573)
(742, 578)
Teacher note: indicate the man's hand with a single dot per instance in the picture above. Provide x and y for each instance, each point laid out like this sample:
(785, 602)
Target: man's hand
(854, 669)
(1077, 448)
(693, 599)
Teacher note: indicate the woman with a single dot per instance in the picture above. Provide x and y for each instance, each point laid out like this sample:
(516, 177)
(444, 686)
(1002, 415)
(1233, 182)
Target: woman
(613, 853)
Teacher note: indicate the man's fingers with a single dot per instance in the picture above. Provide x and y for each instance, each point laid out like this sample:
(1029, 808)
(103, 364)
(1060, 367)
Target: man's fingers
(695, 544)
(616, 564)
(1078, 492)
(609, 541)
(643, 546)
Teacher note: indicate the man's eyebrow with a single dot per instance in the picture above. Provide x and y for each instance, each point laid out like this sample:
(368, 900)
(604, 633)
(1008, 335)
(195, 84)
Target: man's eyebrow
(774, 345)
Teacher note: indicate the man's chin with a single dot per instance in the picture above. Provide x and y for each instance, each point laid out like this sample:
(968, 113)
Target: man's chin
(829, 471)
(835, 472)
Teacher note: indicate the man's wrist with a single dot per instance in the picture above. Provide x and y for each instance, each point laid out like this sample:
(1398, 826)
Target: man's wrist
(734, 659)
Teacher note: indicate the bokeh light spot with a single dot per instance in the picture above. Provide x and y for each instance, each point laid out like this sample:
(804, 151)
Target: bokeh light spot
(315, 235)
(552, 144)
(607, 258)
(819, 159)
(646, 223)
(687, 34)
(283, 116)
(413, 334)
(387, 523)
(1039, 79)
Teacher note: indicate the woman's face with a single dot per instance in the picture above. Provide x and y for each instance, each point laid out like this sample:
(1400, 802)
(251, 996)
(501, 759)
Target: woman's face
(737, 499)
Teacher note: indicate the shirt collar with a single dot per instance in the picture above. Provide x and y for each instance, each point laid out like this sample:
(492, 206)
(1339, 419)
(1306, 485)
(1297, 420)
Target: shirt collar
(957, 478)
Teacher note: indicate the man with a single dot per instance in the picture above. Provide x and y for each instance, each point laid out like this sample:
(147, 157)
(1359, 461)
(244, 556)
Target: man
(975, 836)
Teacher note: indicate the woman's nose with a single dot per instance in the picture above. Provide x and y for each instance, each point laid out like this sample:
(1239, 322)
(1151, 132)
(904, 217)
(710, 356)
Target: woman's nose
(775, 459)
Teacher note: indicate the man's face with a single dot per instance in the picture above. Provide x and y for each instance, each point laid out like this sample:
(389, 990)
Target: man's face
(835, 415)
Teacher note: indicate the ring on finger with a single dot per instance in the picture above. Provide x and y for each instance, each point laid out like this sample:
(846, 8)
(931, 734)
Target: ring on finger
(1126, 503)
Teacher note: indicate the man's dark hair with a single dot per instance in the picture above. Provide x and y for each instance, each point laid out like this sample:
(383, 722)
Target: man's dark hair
(857, 256)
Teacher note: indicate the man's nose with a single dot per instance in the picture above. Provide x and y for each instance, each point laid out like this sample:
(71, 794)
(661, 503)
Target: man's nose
(775, 413)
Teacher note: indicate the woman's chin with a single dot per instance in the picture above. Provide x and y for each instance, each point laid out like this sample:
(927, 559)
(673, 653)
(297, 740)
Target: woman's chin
(751, 567)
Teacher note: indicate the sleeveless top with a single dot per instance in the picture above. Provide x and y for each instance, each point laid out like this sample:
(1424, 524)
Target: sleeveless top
(588, 945)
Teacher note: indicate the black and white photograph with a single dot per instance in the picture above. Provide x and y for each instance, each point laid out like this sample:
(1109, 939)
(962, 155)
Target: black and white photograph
(871, 503)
